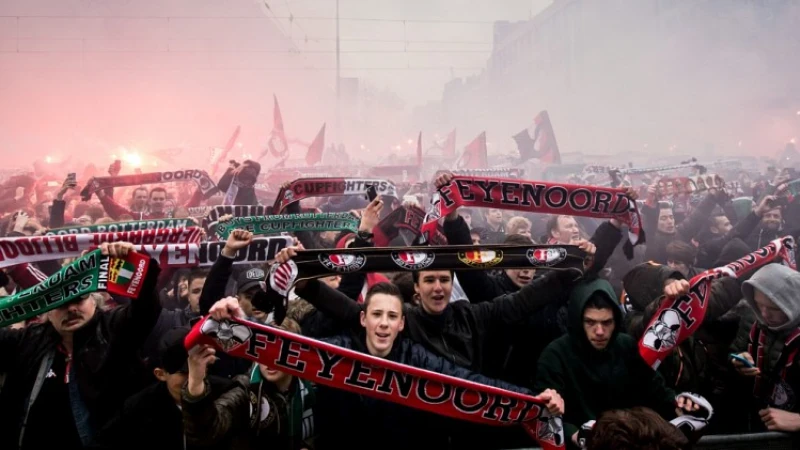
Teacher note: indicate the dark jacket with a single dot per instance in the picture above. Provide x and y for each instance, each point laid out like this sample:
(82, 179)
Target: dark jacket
(593, 381)
(685, 231)
(152, 419)
(251, 415)
(105, 353)
(395, 426)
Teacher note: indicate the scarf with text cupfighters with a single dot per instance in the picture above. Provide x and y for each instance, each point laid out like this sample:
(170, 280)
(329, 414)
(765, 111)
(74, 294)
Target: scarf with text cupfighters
(283, 223)
(538, 197)
(678, 318)
(330, 187)
(171, 248)
(200, 177)
(27, 249)
(363, 374)
(92, 272)
(117, 227)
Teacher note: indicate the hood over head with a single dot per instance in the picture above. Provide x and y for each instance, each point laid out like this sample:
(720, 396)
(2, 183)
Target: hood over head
(781, 285)
(580, 295)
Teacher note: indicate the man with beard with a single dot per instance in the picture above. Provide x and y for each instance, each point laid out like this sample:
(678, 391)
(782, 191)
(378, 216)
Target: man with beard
(67, 376)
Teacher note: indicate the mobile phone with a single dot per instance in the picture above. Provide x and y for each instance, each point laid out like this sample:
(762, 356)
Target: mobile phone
(741, 360)
(372, 193)
(778, 202)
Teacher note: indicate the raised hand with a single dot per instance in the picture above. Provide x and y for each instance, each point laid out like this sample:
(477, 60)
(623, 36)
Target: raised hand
(237, 240)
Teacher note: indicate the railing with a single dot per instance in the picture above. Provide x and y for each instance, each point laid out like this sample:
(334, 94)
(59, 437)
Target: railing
(751, 441)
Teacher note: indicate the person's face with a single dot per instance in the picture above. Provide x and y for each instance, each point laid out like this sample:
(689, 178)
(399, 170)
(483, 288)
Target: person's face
(666, 221)
(183, 287)
(476, 238)
(567, 231)
(195, 289)
(494, 217)
(157, 200)
(174, 381)
(520, 277)
(434, 288)
(332, 281)
(681, 267)
(599, 326)
(246, 303)
(139, 198)
(721, 225)
(525, 231)
(771, 219)
(383, 321)
(272, 375)
(72, 316)
(84, 220)
(773, 316)
(328, 237)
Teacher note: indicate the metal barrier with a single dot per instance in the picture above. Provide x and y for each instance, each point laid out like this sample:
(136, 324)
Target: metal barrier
(751, 441)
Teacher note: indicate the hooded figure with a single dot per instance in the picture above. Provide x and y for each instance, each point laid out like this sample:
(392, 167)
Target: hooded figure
(773, 341)
(602, 372)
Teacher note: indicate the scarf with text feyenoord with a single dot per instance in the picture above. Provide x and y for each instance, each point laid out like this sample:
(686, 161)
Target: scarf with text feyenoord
(170, 247)
(200, 177)
(330, 187)
(537, 197)
(118, 227)
(364, 374)
(283, 223)
(90, 273)
(678, 318)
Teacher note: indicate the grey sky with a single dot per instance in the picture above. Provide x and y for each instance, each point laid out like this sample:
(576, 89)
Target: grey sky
(421, 68)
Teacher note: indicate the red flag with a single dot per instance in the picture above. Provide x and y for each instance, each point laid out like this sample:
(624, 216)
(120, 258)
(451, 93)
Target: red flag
(277, 144)
(218, 155)
(475, 155)
(314, 154)
(542, 145)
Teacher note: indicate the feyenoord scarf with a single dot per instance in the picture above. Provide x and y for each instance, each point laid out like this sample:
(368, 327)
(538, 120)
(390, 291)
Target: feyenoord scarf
(689, 185)
(204, 182)
(117, 227)
(538, 197)
(89, 273)
(22, 249)
(405, 221)
(363, 374)
(495, 173)
(213, 213)
(310, 264)
(329, 187)
(678, 318)
(282, 223)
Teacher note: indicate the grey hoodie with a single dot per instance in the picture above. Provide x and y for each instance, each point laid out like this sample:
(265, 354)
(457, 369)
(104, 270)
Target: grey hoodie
(781, 285)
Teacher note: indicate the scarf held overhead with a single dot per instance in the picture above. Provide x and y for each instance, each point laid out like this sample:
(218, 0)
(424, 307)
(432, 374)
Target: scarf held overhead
(89, 273)
(330, 187)
(406, 222)
(678, 318)
(27, 249)
(538, 197)
(363, 374)
(200, 177)
(117, 227)
(283, 223)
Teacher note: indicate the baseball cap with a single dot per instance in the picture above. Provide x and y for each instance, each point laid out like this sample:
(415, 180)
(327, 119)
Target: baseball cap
(172, 354)
(249, 279)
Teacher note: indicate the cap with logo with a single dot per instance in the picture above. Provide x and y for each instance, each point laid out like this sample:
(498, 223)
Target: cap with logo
(249, 279)
(172, 355)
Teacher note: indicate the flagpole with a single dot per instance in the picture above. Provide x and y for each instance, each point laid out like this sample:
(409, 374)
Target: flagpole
(338, 77)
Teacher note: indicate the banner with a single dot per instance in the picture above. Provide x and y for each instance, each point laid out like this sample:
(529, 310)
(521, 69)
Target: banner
(538, 197)
(689, 185)
(117, 227)
(405, 221)
(310, 264)
(329, 187)
(27, 249)
(382, 379)
(678, 318)
(89, 273)
(283, 223)
(495, 173)
(204, 182)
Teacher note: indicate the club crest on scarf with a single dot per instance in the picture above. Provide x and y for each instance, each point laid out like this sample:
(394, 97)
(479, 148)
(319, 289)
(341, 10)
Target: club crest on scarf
(343, 262)
(546, 256)
(228, 335)
(481, 258)
(663, 335)
(282, 277)
(550, 429)
(413, 260)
